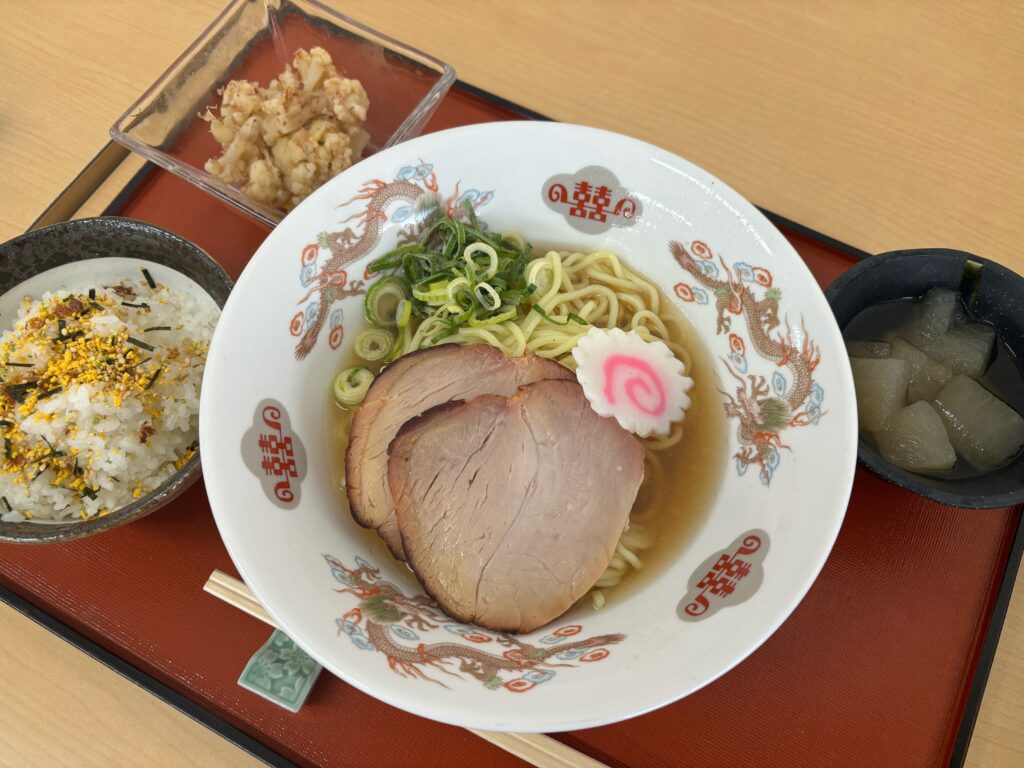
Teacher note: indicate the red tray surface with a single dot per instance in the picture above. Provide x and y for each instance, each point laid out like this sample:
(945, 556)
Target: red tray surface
(872, 669)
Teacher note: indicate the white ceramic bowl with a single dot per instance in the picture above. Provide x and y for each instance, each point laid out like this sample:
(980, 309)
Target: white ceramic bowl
(333, 588)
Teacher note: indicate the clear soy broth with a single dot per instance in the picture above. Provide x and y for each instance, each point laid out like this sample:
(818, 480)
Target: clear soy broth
(680, 482)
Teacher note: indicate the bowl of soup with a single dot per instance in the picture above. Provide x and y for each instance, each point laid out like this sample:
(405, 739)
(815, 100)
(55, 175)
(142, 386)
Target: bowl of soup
(935, 338)
(528, 427)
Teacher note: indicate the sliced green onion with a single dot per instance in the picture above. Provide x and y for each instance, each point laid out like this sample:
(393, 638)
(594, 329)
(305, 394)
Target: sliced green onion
(403, 343)
(492, 259)
(539, 275)
(351, 385)
(455, 273)
(403, 313)
(513, 240)
(570, 317)
(374, 344)
(436, 293)
(392, 259)
(488, 297)
(450, 331)
(382, 299)
(459, 284)
(504, 314)
(471, 211)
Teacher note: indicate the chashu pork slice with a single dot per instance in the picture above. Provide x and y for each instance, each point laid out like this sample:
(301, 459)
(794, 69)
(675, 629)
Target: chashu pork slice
(409, 386)
(510, 508)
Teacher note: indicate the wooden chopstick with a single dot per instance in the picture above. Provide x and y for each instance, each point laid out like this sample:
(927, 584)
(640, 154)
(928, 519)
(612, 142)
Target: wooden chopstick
(538, 749)
(233, 591)
(535, 748)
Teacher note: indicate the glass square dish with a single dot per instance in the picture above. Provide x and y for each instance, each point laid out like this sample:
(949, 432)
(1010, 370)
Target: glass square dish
(254, 40)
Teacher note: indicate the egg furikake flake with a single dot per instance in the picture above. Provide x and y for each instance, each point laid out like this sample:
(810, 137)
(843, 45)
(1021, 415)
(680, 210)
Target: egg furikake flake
(99, 396)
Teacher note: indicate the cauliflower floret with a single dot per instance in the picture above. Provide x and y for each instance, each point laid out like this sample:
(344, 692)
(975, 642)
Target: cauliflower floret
(348, 99)
(243, 149)
(281, 142)
(311, 66)
(264, 184)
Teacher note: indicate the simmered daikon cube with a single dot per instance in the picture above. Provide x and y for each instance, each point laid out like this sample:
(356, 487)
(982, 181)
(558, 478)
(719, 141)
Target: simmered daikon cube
(867, 348)
(926, 375)
(937, 311)
(984, 429)
(902, 349)
(916, 440)
(909, 329)
(968, 348)
(881, 385)
(929, 380)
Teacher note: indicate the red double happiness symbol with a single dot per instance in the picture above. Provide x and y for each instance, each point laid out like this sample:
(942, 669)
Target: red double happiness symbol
(592, 200)
(274, 454)
(726, 578)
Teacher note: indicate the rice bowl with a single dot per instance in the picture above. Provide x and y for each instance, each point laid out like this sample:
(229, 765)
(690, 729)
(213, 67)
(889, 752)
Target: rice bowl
(101, 383)
(101, 393)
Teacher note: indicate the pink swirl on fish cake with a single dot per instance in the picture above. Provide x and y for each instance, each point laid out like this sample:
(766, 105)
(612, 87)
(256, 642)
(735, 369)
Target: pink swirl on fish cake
(642, 385)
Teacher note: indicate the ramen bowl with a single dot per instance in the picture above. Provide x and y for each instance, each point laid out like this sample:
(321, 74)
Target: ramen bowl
(780, 392)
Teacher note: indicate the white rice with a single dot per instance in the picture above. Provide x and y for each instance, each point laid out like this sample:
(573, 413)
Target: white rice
(84, 421)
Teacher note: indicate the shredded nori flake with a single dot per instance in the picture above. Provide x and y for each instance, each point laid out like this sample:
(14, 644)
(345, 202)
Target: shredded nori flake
(140, 344)
(18, 391)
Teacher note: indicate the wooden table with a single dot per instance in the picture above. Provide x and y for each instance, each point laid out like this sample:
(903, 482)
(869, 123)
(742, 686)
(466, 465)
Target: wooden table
(883, 124)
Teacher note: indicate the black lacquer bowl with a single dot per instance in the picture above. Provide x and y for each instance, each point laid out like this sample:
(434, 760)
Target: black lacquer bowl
(73, 241)
(997, 299)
